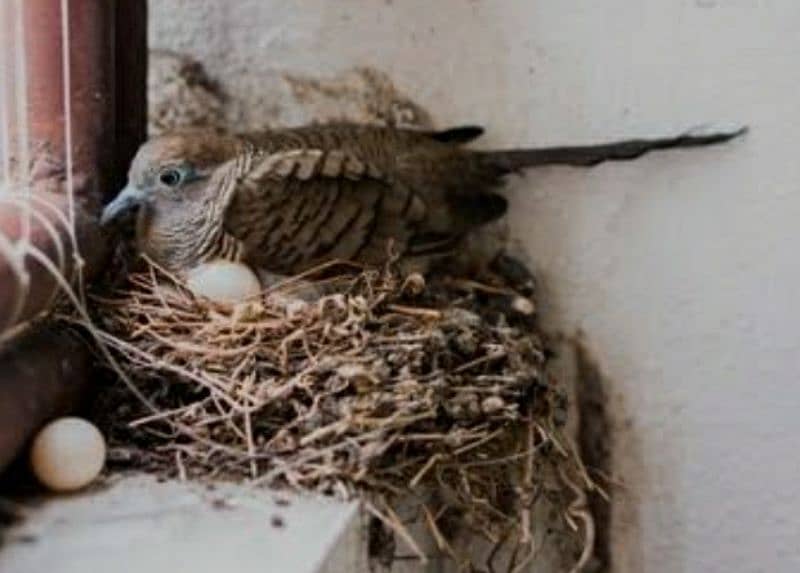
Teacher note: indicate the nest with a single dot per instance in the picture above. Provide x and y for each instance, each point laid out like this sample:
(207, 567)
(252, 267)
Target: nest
(430, 395)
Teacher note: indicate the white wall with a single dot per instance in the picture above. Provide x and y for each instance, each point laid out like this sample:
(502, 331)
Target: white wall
(681, 269)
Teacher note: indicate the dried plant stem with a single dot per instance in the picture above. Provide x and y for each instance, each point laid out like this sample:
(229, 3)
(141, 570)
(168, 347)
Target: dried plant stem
(391, 521)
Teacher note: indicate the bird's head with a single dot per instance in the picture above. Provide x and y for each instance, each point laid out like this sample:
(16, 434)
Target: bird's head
(172, 170)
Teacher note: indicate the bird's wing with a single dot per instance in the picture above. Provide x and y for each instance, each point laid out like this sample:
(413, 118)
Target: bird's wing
(294, 208)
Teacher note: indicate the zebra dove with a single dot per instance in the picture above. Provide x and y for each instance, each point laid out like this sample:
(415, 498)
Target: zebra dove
(286, 200)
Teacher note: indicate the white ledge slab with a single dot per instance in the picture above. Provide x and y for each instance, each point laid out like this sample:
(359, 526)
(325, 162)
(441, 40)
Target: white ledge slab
(137, 524)
(140, 525)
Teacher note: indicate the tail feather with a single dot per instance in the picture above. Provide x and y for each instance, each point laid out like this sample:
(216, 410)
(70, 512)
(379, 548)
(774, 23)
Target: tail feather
(589, 155)
(461, 134)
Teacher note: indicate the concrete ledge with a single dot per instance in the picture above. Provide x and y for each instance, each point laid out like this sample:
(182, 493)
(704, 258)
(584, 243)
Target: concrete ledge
(139, 525)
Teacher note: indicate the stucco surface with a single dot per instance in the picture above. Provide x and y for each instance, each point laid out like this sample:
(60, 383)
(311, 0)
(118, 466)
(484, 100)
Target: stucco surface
(682, 269)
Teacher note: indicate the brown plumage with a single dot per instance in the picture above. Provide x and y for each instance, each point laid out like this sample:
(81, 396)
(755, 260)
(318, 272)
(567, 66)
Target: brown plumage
(286, 200)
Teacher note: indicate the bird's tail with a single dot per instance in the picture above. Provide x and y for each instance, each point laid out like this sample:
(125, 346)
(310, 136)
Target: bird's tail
(589, 155)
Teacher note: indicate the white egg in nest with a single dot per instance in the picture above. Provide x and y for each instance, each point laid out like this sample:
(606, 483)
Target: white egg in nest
(68, 454)
(224, 282)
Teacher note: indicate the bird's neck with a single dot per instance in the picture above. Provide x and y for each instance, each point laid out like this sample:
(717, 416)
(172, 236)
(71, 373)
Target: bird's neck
(180, 238)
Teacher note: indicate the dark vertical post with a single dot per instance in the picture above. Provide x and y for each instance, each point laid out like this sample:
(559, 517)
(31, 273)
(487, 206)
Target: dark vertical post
(43, 375)
(89, 41)
(131, 86)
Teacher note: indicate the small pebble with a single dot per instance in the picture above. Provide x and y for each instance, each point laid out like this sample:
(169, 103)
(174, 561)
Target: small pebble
(295, 308)
(523, 305)
(465, 342)
(492, 404)
(414, 284)
(220, 503)
(462, 317)
(277, 521)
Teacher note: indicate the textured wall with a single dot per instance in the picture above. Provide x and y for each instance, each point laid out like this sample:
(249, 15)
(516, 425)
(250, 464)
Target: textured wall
(681, 269)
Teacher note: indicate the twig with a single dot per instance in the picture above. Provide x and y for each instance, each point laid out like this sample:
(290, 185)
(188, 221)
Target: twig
(427, 313)
(393, 522)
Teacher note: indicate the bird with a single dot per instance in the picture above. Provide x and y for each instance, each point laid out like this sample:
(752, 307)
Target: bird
(286, 200)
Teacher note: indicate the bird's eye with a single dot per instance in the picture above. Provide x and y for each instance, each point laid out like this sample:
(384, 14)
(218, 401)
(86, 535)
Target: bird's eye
(170, 177)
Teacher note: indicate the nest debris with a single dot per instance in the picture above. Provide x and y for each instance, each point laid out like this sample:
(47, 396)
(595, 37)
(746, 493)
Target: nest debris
(384, 387)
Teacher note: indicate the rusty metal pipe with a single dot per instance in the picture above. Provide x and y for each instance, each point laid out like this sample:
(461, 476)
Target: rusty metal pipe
(89, 90)
(131, 87)
(51, 209)
(89, 40)
(43, 373)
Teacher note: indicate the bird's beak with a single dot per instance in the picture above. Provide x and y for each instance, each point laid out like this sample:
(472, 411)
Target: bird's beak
(129, 198)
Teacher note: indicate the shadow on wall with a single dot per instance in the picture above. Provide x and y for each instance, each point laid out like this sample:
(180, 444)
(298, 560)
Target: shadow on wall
(181, 94)
(611, 451)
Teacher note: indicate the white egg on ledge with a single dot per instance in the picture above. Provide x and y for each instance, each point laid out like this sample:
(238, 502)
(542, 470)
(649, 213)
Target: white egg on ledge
(223, 281)
(68, 454)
